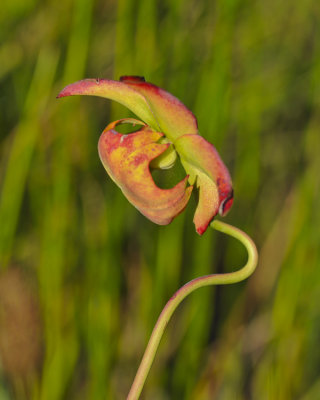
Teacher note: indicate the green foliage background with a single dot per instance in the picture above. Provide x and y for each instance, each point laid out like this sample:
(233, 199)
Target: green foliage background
(84, 275)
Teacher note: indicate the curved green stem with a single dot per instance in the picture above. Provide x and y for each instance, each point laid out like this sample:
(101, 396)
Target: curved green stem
(176, 299)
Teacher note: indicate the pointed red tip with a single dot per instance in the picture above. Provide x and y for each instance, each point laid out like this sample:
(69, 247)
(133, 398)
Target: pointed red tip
(201, 230)
(63, 93)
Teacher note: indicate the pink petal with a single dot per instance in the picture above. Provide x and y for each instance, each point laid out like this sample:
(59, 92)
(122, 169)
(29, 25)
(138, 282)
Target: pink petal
(204, 165)
(113, 90)
(126, 158)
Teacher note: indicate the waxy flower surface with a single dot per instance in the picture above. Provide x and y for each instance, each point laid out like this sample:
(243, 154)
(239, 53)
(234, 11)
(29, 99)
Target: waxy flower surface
(167, 129)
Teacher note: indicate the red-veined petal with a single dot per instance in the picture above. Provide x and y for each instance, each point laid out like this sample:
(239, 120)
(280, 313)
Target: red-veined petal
(126, 158)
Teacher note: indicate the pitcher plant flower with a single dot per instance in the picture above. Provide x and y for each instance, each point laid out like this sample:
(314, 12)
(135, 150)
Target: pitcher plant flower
(167, 130)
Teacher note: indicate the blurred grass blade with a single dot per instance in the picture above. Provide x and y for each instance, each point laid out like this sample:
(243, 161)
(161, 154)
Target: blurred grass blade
(25, 137)
(62, 345)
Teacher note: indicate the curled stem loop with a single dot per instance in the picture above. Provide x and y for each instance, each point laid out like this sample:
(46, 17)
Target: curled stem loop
(184, 291)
